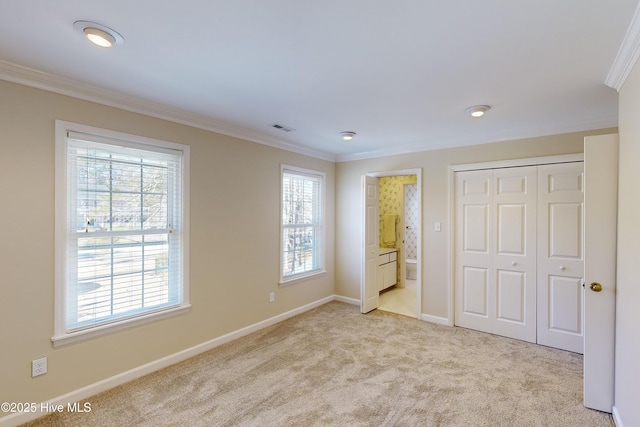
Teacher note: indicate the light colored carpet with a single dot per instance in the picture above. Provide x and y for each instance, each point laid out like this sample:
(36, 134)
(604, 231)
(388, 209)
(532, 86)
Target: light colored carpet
(333, 366)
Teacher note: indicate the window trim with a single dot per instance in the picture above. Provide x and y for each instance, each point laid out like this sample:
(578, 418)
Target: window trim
(61, 335)
(321, 270)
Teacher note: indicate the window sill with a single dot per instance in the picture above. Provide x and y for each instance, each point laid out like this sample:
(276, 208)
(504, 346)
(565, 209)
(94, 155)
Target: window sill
(302, 277)
(85, 334)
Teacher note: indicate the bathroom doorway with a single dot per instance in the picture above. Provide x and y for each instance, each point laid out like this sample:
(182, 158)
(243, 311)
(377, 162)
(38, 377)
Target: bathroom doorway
(400, 213)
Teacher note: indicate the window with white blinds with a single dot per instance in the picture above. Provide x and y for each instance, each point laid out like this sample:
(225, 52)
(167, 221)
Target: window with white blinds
(302, 223)
(121, 230)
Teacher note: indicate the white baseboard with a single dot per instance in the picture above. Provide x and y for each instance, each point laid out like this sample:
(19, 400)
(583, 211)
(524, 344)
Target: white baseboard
(435, 319)
(15, 419)
(616, 417)
(348, 300)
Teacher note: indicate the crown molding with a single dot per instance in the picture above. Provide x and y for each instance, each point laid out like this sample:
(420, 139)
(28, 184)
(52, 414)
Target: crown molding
(64, 86)
(627, 56)
(530, 132)
(69, 87)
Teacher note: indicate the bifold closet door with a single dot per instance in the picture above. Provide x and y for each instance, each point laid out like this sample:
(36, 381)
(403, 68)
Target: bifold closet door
(495, 270)
(515, 252)
(474, 273)
(560, 256)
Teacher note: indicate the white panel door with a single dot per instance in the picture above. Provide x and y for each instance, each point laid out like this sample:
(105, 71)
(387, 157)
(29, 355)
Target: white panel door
(474, 275)
(369, 294)
(514, 257)
(600, 218)
(560, 307)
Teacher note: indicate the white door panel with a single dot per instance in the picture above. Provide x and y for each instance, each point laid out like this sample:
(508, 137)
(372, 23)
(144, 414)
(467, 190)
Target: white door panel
(560, 256)
(495, 277)
(475, 291)
(601, 187)
(369, 293)
(565, 231)
(558, 183)
(474, 273)
(477, 184)
(511, 288)
(565, 304)
(511, 218)
(514, 256)
(511, 184)
(475, 228)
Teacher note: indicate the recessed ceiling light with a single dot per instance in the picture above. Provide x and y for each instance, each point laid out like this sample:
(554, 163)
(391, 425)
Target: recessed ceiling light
(99, 37)
(98, 34)
(478, 110)
(347, 135)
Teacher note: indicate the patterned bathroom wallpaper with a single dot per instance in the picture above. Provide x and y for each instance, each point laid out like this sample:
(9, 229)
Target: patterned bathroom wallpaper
(412, 220)
(392, 203)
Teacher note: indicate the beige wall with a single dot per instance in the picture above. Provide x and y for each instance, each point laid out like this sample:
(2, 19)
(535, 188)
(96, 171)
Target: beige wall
(627, 381)
(435, 206)
(234, 244)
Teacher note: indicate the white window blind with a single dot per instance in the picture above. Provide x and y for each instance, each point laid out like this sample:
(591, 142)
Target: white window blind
(124, 232)
(302, 223)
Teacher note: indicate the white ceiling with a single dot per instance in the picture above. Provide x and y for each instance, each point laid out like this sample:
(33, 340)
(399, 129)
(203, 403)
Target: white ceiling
(399, 73)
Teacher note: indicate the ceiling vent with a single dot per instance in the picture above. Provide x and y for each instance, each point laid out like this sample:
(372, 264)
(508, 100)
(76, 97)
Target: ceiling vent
(282, 127)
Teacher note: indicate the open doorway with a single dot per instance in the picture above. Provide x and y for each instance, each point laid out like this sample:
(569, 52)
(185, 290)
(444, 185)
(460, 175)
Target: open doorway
(397, 270)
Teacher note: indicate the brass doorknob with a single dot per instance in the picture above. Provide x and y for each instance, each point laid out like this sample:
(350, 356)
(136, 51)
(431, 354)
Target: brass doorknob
(595, 287)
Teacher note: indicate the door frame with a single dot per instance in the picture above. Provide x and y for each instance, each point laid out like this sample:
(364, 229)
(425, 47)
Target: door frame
(401, 172)
(532, 161)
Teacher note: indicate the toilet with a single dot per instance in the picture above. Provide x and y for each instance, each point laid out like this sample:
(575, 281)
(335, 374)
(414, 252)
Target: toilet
(412, 269)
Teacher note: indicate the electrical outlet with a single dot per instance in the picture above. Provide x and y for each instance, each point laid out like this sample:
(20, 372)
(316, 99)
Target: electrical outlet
(272, 297)
(38, 367)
